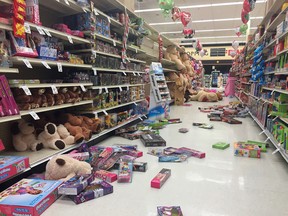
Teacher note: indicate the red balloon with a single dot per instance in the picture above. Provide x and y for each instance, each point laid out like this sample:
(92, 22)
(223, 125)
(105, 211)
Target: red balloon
(244, 16)
(185, 18)
(246, 6)
(188, 32)
(175, 13)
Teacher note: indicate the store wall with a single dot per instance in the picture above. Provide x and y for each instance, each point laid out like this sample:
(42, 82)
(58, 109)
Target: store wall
(128, 3)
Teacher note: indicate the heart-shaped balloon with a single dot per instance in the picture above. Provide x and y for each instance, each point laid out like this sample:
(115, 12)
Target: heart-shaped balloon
(237, 31)
(198, 46)
(245, 16)
(176, 12)
(202, 53)
(243, 29)
(166, 6)
(185, 18)
(252, 4)
(235, 45)
(246, 6)
(233, 53)
(188, 32)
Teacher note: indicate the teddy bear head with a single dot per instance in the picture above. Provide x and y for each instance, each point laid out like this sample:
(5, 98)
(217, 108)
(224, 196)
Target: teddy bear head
(63, 167)
(22, 127)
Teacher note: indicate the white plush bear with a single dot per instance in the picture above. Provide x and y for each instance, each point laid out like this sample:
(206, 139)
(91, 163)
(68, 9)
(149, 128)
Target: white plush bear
(65, 135)
(51, 138)
(63, 167)
(24, 137)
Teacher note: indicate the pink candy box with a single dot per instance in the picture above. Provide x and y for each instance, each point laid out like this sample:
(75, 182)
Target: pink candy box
(105, 175)
(160, 178)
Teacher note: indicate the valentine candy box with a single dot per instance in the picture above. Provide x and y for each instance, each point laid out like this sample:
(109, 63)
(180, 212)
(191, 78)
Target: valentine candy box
(160, 178)
(75, 185)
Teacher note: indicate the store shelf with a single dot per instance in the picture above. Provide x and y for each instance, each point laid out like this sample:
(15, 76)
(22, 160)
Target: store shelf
(267, 101)
(115, 86)
(285, 120)
(37, 62)
(48, 85)
(246, 83)
(277, 20)
(42, 156)
(115, 107)
(281, 73)
(117, 70)
(6, 27)
(57, 107)
(246, 75)
(61, 7)
(271, 138)
(164, 93)
(59, 34)
(275, 90)
(9, 70)
(168, 63)
(274, 58)
(269, 73)
(257, 98)
(170, 82)
(246, 93)
(6, 1)
(9, 118)
(169, 70)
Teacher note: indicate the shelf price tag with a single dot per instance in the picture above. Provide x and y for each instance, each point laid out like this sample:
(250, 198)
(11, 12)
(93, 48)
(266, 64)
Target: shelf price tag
(40, 30)
(94, 71)
(45, 64)
(140, 118)
(104, 111)
(70, 39)
(83, 88)
(114, 43)
(84, 9)
(27, 63)
(54, 89)
(120, 89)
(34, 115)
(47, 32)
(100, 91)
(94, 53)
(127, 88)
(109, 20)
(96, 114)
(134, 73)
(59, 65)
(106, 89)
(135, 103)
(272, 92)
(27, 28)
(124, 73)
(138, 74)
(67, 2)
(26, 90)
(136, 50)
(96, 12)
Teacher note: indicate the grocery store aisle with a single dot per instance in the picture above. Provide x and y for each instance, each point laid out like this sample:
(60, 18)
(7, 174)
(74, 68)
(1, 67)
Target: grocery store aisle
(218, 185)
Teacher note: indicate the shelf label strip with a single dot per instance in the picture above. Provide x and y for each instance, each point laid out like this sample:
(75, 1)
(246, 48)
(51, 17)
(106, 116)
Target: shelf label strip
(59, 65)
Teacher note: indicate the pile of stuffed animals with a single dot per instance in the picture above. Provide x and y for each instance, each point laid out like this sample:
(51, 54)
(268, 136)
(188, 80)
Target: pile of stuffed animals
(54, 131)
(45, 98)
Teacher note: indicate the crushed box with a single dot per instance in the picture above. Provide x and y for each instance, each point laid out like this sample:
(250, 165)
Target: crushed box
(152, 140)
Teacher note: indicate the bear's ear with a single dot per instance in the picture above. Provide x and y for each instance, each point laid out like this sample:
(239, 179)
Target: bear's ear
(60, 162)
(15, 128)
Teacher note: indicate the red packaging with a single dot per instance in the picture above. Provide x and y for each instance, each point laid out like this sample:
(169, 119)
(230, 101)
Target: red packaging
(32, 12)
(160, 178)
(134, 153)
(77, 33)
(14, 107)
(2, 147)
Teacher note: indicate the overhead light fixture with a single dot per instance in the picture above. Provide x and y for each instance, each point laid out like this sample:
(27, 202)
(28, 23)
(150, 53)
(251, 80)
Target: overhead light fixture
(206, 30)
(228, 36)
(224, 42)
(203, 21)
(201, 6)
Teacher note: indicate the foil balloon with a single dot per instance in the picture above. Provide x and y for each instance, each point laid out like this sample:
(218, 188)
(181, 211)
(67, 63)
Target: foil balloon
(235, 45)
(188, 33)
(176, 12)
(246, 6)
(202, 53)
(185, 18)
(243, 29)
(252, 4)
(237, 31)
(233, 53)
(166, 6)
(245, 16)
(198, 46)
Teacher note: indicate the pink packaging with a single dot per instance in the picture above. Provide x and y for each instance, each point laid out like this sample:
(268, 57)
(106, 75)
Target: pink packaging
(5, 102)
(192, 152)
(160, 178)
(82, 156)
(32, 12)
(134, 153)
(2, 147)
(77, 33)
(6, 87)
(105, 175)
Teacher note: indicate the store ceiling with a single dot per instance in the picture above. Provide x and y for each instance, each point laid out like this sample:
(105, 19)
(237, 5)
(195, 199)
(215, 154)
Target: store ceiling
(213, 23)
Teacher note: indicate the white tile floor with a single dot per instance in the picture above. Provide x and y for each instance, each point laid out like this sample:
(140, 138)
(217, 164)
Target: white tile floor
(219, 185)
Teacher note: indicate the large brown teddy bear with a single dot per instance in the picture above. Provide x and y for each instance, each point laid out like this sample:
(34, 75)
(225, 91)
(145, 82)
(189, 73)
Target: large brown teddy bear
(204, 96)
(187, 63)
(24, 102)
(173, 55)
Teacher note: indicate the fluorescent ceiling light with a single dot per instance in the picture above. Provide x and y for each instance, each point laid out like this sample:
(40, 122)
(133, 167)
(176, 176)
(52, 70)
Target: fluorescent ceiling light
(203, 21)
(224, 42)
(206, 30)
(202, 6)
(229, 36)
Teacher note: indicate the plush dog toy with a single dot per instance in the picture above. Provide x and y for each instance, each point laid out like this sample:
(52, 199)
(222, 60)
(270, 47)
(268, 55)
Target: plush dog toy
(63, 167)
(204, 96)
(24, 137)
(173, 55)
(51, 138)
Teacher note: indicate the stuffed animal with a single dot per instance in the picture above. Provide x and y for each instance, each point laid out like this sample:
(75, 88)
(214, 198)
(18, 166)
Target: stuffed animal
(24, 137)
(187, 63)
(50, 98)
(173, 55)
(39, 98)
(91, 124)
(24, 102)
(63, 167)
(63, 92)
(74, 94)
(51, 138)
(204, 96)
(66, 136)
